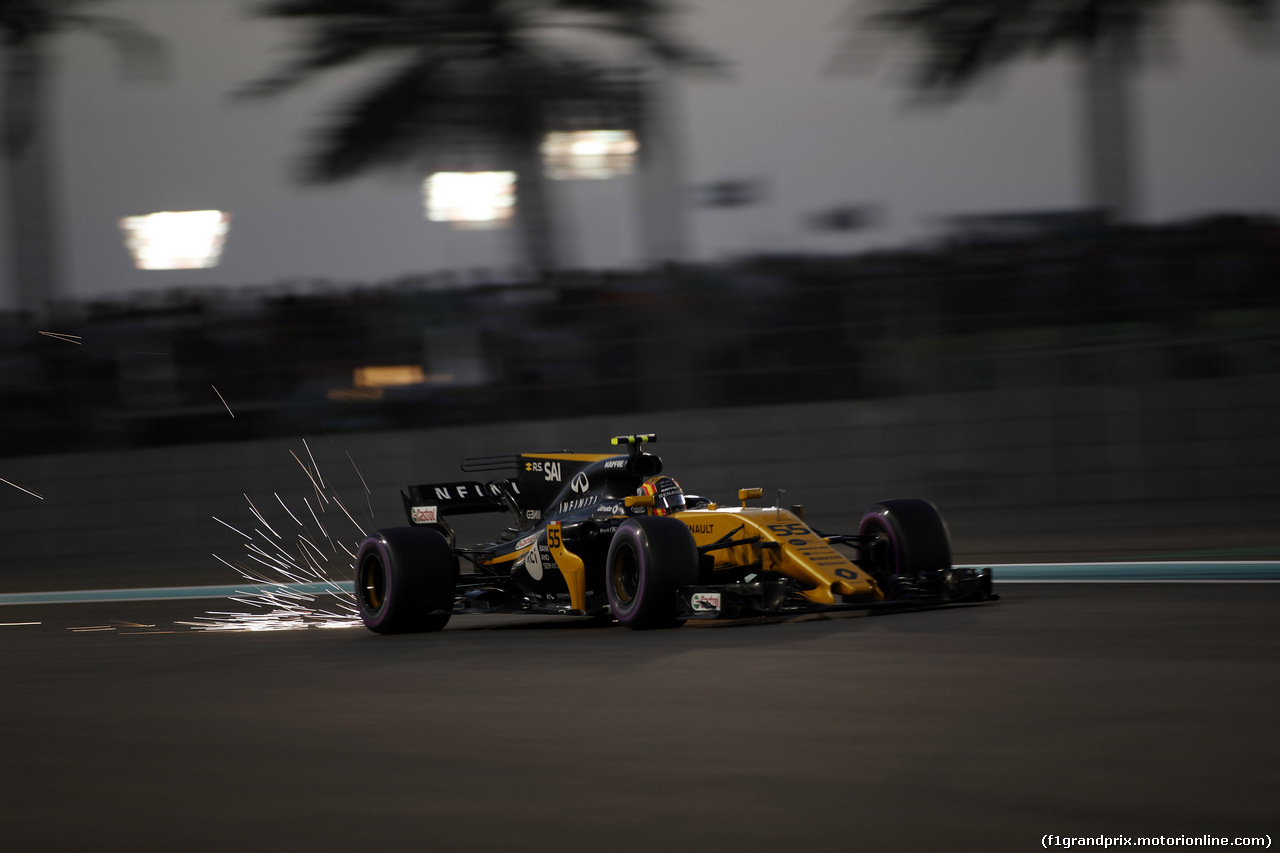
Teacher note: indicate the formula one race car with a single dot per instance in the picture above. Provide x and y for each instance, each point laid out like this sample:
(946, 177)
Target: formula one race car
(606, 535)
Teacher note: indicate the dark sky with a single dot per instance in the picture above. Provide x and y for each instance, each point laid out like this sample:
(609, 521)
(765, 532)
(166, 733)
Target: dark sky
(1208, 123)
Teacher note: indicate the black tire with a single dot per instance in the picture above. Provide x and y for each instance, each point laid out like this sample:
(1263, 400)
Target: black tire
(405, 580)
(650, 558)
(908, 540)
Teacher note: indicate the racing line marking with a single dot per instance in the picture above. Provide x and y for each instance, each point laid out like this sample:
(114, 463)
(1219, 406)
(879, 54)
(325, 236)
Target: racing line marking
(170, 593)
(1012, 573)
(1182, 571)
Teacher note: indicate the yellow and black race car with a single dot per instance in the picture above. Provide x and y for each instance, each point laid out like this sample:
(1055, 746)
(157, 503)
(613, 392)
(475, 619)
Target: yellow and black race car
(607, 535)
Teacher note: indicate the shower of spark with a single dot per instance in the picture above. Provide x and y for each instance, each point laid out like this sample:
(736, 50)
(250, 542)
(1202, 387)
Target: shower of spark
(319, 493)
(21, 489)
(62, 336)
(115, 626)
(367, 492)
(291, 581)
(313, 463)
(223, 399)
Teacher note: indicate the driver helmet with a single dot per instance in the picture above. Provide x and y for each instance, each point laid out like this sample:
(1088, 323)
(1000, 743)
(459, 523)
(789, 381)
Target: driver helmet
(667, 495)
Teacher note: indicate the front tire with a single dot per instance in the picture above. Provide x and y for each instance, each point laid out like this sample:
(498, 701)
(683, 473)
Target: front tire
(905, 541)
(404, 581)
(650, 558)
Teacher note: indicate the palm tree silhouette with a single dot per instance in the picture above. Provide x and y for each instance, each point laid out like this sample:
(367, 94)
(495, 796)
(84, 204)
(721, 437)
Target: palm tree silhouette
(478, 81)
(26, 29)
(963, 41)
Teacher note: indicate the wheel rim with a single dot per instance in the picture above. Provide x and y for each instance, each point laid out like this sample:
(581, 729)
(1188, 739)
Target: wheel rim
(626, 576)
(373, 583)
(880, 549)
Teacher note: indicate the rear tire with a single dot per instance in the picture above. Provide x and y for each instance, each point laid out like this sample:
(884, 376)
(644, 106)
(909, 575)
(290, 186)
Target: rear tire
(405, 580)
(908, 541)
(650, 558)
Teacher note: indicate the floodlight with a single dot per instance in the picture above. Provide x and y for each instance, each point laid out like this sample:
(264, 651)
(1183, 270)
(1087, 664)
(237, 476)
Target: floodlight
(176, 240)
(589, 154)
(470, 199)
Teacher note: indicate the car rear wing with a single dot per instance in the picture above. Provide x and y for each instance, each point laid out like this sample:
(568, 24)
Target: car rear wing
(428, 504)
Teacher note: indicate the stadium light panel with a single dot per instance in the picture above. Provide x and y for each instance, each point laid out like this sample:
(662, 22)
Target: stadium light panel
(470, 199)
(589, 154)
(176, 240)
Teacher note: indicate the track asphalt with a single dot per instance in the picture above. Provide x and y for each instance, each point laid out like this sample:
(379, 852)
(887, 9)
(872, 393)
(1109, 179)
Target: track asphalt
(1072, 709)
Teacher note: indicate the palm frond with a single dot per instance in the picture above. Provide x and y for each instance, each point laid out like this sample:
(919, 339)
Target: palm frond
(143, 55)
(435, 103)
(384, 126)
(469, 72)
(644, 22)
(959, 42)
(1257, 21)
